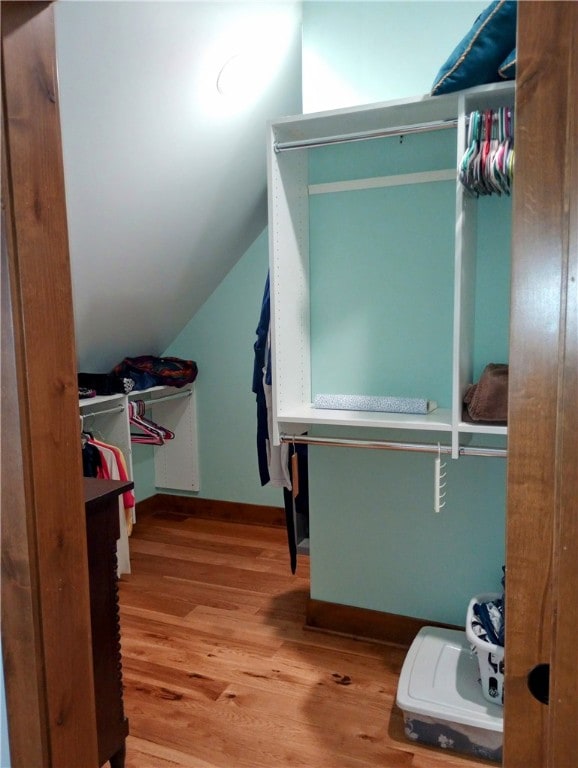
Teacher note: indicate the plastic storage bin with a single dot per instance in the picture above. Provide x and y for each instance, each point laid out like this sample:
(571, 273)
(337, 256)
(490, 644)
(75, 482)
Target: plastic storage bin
(490, 656)
(441, 700)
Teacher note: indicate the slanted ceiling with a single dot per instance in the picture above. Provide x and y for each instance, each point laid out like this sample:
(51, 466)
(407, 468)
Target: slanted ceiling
(165, 177)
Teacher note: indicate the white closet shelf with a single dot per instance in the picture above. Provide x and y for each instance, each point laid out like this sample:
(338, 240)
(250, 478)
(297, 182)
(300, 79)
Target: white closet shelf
(482, 429)
(385, 115)
(137, 393)
(439, 420)
(87, 402)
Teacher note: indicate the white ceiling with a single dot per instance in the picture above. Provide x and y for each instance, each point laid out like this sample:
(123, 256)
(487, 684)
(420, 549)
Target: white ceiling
(165, 177)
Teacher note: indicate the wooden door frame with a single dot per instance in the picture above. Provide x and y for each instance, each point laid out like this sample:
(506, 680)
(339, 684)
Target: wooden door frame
(542, 531)
(46, 646)
(45, 616)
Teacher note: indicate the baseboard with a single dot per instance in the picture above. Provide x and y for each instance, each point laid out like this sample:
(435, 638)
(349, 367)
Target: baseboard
(362, 623)
(164, 504)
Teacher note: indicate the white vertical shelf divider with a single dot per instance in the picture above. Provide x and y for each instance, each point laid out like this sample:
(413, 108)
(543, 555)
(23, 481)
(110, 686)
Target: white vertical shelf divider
(289, 241)
(464, 286)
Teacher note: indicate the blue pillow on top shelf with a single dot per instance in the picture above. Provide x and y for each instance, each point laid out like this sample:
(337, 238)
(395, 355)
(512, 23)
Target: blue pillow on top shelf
(482, 52)
(507, 69)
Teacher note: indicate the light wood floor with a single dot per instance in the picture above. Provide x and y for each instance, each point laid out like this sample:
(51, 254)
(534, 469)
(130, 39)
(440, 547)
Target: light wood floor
(219, 672)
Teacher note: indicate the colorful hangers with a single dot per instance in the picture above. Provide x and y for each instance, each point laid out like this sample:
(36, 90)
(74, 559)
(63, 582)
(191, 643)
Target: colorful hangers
(151, 433)
(487, 166)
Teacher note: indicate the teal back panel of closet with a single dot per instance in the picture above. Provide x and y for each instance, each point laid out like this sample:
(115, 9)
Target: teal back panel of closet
(381, 269)
(493, 265)
(383, 157)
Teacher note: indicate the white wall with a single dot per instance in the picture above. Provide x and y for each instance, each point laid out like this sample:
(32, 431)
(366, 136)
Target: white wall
(165, 178)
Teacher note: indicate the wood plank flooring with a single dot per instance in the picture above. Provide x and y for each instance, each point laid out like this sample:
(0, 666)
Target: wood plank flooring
(220, 673)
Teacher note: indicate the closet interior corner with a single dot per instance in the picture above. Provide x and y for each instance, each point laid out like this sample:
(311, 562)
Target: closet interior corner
(388, 276)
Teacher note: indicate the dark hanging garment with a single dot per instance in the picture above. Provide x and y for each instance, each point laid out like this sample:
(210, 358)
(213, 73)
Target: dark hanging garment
(260, 348)
(296, 504)
(297, 507)
(91, 460)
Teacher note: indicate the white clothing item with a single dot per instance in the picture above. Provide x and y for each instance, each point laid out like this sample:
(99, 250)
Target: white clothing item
(277, 455)
(122, 550)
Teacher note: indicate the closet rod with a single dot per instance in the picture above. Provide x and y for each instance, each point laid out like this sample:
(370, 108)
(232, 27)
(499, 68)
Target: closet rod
(116, 409)
(390, 445)
(399, 130)
(177, 396)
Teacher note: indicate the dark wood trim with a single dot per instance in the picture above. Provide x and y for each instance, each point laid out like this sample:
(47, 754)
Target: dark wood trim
(232, 511)
(363, 623)
(542, 523)
(564, 669)
(45, 596)
(21, 642)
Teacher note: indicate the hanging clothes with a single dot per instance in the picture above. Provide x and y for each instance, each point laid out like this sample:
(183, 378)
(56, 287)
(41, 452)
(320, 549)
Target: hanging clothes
(274, 462)
(111, 465)
(259, 366)
(118, 459)
(296, 501)
(91, 459)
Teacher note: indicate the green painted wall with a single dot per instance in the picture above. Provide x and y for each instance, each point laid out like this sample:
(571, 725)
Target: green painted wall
(220, 338)
(360, 52)
(375, 539)
(376, 542)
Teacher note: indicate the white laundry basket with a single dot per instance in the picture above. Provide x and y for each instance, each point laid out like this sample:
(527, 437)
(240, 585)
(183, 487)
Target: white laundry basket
(490, 656)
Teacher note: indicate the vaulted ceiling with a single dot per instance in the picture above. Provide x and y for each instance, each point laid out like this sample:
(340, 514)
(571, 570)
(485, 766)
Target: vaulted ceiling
(165, 173)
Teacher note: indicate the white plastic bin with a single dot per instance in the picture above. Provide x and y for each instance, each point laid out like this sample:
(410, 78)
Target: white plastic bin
(441, 700)
(490, 656)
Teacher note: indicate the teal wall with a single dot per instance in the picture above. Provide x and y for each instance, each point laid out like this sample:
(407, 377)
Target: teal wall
(382, 282)
(375, 540)
(377, 543)
(368, 257)
(361, 52)
(143, 471)
(220, 339)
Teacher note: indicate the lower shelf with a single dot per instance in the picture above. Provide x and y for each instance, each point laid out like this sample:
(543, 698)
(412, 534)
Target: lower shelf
(438, 421)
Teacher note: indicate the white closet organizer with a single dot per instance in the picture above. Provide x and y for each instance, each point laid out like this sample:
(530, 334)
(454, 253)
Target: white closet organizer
(176, 462)
(441, 328)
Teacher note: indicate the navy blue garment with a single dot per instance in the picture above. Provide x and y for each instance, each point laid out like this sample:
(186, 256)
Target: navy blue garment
(260, 348)
(297, 510)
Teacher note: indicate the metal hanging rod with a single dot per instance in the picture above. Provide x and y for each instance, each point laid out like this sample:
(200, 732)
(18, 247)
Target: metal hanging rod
(155, 400)
(120, 408)
(116, 409)
(391, 445)
(399, 130)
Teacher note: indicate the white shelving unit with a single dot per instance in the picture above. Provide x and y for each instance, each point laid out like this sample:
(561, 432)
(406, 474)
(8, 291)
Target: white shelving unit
(176, 462)
(291, 140)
